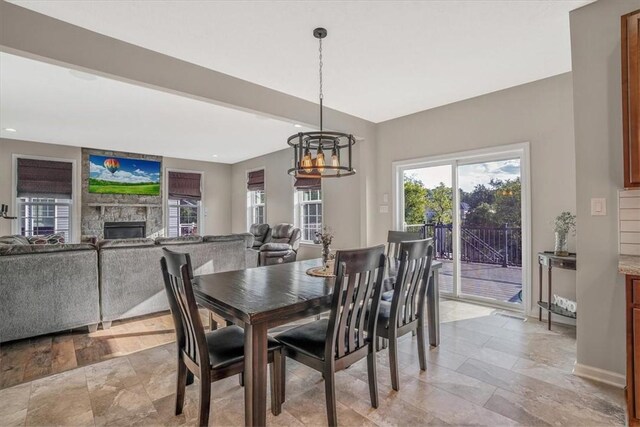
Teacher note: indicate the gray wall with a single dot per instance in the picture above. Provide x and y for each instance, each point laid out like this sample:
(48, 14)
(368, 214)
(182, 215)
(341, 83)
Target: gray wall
(217, 182)
(595, 46)
(342, 199)
(540, 112)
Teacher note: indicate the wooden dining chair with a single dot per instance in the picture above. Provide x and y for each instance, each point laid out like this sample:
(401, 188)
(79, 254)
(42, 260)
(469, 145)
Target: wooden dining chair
(394, 238)
(210, 356)
(406, 311)
(333, 344)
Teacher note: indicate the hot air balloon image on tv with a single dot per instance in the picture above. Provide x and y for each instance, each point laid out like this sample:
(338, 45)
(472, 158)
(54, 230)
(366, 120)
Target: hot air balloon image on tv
(123, 175)
(112, 165)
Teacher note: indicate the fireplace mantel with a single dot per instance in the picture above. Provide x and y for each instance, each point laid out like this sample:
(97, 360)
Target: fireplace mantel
(102, 206)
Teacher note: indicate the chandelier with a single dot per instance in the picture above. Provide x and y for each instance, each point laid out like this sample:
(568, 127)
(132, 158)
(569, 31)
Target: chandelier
(322, 154)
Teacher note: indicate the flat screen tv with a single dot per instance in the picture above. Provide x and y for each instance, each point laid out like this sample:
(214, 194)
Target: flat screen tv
(121, 175)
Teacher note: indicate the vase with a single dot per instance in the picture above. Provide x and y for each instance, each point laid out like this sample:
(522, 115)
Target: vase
(562, 244)
(326, 255)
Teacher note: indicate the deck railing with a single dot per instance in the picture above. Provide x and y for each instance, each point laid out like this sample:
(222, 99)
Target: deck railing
(486, 245)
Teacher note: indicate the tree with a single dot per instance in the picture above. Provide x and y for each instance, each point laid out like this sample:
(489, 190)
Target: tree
(507, 203)
(440, 204)
(479, 195)
(415, 201)
(482, 215)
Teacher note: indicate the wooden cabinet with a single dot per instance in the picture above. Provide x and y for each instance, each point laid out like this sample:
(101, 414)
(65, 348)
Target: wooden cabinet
(633, 348)
(631, 98)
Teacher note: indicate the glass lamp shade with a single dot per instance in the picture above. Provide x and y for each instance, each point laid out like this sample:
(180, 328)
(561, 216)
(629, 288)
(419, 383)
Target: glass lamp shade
(335, 160)
(320, 161)
(307, 163)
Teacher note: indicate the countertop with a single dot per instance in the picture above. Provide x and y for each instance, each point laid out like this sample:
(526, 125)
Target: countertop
(629, 264)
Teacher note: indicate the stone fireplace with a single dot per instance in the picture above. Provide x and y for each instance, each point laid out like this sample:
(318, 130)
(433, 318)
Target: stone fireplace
(99, 210)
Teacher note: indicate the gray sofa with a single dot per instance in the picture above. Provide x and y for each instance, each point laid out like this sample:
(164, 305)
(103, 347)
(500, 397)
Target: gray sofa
(47, 288)
(51, 288)
(130, 277)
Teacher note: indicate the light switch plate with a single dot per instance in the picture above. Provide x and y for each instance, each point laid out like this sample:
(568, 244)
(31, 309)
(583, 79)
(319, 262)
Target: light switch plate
(384, 209)
(385, 198)
(598, 207)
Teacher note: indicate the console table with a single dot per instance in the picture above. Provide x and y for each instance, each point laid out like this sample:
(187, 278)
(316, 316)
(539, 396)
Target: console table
(549, 260)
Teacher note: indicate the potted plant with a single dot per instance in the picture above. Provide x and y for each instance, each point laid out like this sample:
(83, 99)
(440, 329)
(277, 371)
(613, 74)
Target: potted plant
(325, 237)
(563, 224)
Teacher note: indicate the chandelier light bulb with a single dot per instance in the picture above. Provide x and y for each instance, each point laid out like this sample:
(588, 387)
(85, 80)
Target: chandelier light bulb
(320, 160)
(307, 162)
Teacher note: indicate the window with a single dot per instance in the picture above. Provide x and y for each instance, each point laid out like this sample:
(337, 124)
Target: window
(44, 197)
(184, 204)
(257, 207)
(41, 216)
(256, 198)
(309, 213)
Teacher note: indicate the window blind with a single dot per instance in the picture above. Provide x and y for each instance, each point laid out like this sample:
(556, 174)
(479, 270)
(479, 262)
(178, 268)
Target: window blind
(307, 184)
(184, 185)
(255, 181)
(44, 178)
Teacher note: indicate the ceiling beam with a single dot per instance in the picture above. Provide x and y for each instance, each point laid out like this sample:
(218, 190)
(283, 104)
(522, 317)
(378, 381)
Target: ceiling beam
(30, 34)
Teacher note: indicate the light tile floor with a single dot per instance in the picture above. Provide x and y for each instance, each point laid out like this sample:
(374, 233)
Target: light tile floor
(490, 369)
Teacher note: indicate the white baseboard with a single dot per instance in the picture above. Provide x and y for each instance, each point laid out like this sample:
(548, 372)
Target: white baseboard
(608, 377)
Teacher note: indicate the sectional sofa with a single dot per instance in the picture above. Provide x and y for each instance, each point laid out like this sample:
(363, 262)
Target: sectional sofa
(51, 288)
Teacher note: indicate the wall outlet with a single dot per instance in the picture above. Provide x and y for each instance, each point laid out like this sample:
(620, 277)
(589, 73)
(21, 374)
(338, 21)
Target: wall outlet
(385, 198)
(598, 207)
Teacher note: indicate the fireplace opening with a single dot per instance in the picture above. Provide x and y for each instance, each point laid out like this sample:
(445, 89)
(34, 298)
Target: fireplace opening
(124, 230)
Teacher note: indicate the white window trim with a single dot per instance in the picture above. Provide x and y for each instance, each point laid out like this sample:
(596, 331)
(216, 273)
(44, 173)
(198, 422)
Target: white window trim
(202, 212)
(15, 223)
(249, 202)
(297, 214)
(500, 152)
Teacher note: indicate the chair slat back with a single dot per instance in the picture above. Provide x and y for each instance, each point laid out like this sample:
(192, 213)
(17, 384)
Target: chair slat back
(394, 238)
(358, 284)
(178, 274)
(407, 304)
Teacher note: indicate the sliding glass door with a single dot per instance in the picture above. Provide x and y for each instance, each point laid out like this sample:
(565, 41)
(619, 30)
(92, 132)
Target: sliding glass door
(474, 207)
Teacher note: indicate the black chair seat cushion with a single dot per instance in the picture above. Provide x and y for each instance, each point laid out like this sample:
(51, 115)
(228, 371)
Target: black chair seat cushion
(384, 313)
(226, 346)
(308, 339)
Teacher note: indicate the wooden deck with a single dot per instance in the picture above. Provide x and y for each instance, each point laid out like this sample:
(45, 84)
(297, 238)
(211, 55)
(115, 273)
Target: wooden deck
(484, 280)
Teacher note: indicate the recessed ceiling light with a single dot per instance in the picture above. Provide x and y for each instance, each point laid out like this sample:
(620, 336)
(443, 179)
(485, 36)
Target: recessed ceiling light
(297, 126)
(10, 130)
(215, 155)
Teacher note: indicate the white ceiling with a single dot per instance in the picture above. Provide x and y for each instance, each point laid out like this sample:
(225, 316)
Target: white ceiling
(52, 104)
(383, 59)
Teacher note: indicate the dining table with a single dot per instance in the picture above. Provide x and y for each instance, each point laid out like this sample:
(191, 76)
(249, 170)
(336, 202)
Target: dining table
(261, 298)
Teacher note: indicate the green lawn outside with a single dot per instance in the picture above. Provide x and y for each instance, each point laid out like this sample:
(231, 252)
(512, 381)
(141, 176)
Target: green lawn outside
(139, 189)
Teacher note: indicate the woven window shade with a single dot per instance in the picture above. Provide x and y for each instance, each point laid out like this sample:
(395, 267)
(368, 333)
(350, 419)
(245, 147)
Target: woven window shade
(45, 178)
(184, 185)
(255, 181)
(307, 184)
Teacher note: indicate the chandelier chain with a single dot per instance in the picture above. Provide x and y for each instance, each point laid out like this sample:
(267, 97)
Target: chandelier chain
(320, 52)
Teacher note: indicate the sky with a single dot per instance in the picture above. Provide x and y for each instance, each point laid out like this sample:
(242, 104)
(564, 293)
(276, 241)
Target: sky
(130, 170)
(468, 175)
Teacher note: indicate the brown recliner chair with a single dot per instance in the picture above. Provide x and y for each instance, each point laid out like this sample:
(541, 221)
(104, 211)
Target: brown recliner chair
(283, 246)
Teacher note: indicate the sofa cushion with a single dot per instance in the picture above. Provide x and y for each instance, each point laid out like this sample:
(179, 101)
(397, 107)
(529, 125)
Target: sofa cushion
(14, 240)
(125, 243)
(47, 239)
(260, 233)
(282, 232)
(247, 237)
(178, 240)
(33, 249)
(273, 246)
